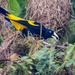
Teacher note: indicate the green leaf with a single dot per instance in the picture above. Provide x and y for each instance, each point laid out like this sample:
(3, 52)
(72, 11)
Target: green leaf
(68, 63)
(30, 67)
(39, 54)
(25, 1)
(57, 68)
(13, 7)
(60, 54)
(18, 61)
(3, 65)
(29, 72)
(74, 56)
(0, 69)
(24, 67)
(13, 67)
(29, 61)
(24, 58)
(18, 72)
(45, 57)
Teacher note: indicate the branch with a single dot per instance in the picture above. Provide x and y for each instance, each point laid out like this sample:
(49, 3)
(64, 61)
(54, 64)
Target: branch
(46, 44)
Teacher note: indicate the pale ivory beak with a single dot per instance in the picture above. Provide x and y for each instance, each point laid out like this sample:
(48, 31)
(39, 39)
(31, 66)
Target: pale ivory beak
(55, 36)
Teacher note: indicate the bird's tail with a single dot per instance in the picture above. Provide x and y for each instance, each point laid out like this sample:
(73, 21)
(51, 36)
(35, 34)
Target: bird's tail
(3, 11)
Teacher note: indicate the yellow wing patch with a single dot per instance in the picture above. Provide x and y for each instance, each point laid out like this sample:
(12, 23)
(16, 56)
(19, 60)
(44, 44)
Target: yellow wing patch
(32, 23)
(18, 26)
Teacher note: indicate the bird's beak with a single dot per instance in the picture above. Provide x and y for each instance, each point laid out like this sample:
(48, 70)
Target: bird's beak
(55, 36)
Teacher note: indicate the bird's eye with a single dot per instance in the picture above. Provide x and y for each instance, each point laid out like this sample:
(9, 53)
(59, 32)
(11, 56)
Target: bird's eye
(49, 31)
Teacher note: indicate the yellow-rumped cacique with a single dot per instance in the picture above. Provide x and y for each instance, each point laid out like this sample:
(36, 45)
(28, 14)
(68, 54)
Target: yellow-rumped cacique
(25, 25)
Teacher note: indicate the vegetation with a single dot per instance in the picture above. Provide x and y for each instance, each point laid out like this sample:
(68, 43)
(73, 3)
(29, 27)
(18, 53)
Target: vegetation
(40, 59)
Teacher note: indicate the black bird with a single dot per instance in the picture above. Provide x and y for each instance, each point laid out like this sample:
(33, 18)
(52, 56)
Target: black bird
(25, 25)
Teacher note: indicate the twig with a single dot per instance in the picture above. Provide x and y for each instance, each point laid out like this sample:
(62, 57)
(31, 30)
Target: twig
(3, 60)
(46, 44)
(61, 47)
(73, 16)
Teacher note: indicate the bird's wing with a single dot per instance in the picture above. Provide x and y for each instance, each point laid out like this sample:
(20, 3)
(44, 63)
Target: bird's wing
(31, 24)
(17, 25)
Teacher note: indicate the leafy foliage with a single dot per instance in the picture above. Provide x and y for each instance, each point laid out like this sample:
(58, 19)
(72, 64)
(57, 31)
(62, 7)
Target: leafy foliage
(22, 66)
(70, 55)
(47, 61)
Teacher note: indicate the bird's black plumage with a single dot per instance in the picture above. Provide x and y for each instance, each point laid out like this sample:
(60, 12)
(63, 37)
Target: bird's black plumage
(3, 11)
(25, 25)
(46, 33)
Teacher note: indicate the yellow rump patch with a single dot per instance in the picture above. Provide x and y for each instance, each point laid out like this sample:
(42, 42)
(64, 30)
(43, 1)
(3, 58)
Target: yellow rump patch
(14, 17)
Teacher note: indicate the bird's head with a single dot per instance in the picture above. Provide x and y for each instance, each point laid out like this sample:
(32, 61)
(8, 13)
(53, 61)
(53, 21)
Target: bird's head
(50, 34)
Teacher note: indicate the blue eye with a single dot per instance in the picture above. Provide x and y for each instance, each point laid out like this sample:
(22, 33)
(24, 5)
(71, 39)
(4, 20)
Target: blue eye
(49, 31)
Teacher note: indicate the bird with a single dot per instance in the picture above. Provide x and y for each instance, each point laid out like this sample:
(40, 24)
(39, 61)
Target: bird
(28, 25)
